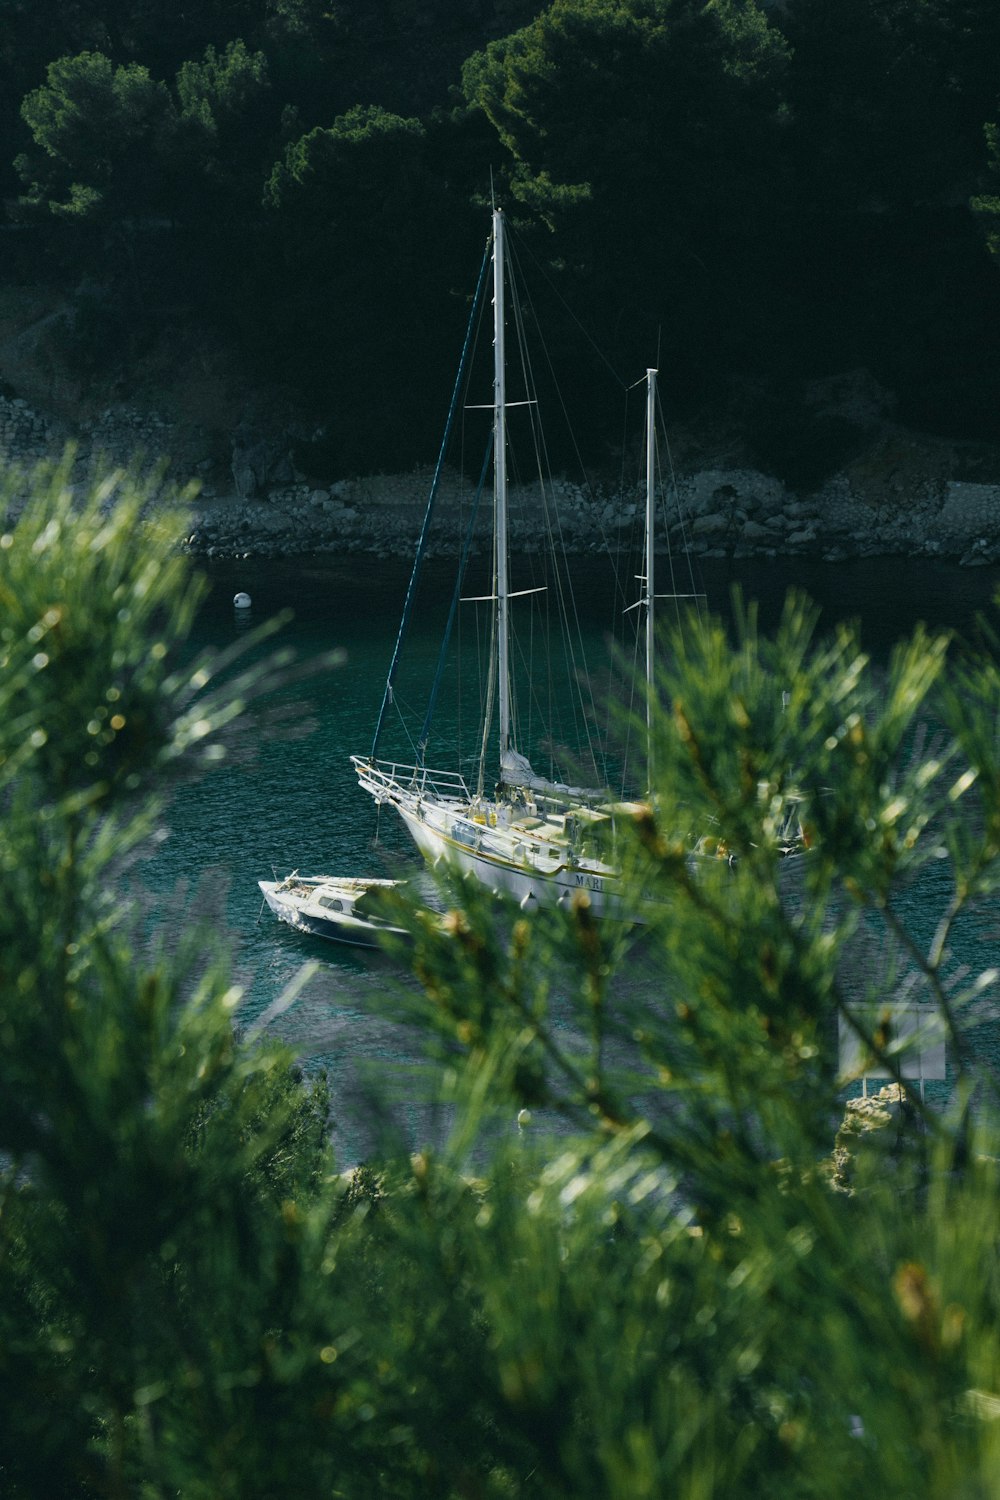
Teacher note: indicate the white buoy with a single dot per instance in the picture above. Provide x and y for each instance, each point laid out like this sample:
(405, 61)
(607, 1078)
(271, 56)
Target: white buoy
(242, 601)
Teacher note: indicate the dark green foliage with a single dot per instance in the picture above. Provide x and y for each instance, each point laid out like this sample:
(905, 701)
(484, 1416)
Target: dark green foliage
(350, 269)
(802, 447)
(887, 112)
(225, 127)
(741, 192)
(650, 137)
(869, 92)
(987, 205)
(138, 1141)
(97, 128)
(659, 1283)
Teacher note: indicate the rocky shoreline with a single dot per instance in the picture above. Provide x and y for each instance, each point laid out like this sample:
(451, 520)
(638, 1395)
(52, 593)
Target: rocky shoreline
(905, 497)
(722, 513)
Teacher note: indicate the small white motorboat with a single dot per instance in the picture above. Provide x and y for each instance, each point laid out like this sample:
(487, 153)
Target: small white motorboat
(344, 909)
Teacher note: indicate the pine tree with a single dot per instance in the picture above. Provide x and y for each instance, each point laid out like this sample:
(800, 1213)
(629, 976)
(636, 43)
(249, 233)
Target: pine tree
(677, 1274)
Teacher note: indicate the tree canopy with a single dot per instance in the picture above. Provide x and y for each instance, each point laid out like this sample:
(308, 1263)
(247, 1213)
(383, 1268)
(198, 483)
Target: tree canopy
(96, 129)
(766, 194)
(650, 137)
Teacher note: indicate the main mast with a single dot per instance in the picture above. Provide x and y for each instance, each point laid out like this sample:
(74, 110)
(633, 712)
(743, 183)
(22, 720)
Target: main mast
(500, 482)
(650, 550)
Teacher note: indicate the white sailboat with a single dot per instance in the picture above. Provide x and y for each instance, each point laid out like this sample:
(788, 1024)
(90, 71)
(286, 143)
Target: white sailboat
(529, 837)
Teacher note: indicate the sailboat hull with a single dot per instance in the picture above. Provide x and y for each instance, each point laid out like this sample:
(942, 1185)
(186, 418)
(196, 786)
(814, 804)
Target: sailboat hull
(502, 875)
(528, 858)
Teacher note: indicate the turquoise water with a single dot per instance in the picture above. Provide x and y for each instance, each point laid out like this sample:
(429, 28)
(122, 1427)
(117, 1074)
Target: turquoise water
(288, 803)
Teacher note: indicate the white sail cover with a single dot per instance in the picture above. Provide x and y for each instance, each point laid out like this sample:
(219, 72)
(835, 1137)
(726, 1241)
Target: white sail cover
(516, 771)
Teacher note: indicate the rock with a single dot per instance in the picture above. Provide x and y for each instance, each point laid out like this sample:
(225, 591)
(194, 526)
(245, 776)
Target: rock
(271, 523)
(753, 531)
(709, 525)
(259, 464)
(885, 1122)
(904, 496)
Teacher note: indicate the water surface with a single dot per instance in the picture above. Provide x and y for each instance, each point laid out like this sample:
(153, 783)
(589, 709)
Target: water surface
(295, 803)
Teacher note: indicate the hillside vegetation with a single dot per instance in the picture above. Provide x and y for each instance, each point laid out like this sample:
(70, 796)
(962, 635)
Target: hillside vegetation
(296, 190)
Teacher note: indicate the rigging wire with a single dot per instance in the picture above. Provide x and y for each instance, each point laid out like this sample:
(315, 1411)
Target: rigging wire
(693, 596)
(424, 530)
(612, 548)
(589, 338)
(569, 612)
(558, 616)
